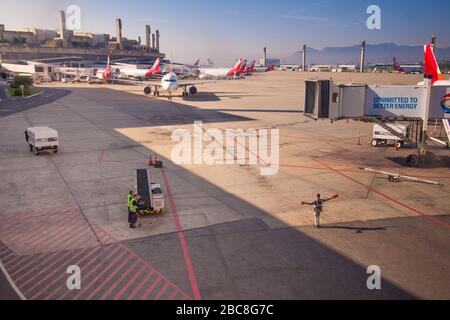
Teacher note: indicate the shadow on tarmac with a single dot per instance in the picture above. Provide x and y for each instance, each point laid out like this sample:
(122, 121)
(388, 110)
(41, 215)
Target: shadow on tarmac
(244, 259)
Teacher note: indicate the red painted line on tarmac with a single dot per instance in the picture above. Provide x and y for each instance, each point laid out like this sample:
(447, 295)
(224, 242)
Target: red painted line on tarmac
(39, 230)
(82, 240)
(56, 290)
(152, 287)
(427, 216)
(108, 278)
(181, 237)
(46, 242)
(4, 252)
(59, 269)
(41, 271)
(139, 287)
(19, 260)
(101, 156)
(93, 281)
(161, 292)
(173, 295)
(94, 268)
(128, 284)
(5, 263)
(16, 272)
(134, 254)
(30, 289)
(66, 237)
(116, 284)
(8, 256)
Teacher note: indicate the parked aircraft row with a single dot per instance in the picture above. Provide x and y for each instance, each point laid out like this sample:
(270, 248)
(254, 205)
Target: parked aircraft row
(170, 82)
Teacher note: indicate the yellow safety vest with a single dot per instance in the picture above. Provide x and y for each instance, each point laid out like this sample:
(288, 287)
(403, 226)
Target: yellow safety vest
(130, 199)
(133, 208)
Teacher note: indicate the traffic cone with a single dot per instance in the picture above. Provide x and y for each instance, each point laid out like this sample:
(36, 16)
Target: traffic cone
(151, 163)
(158, 163)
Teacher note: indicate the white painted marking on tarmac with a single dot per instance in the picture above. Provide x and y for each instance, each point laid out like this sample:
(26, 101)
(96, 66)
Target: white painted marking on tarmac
(11, 282)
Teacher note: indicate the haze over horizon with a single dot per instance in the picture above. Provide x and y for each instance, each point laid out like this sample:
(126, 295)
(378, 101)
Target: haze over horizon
(224, 31)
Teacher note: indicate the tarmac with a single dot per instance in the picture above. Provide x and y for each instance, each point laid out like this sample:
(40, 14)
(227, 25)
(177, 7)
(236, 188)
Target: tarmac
(229, 233)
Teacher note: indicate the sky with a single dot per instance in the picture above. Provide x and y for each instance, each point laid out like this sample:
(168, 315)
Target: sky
(224, 30)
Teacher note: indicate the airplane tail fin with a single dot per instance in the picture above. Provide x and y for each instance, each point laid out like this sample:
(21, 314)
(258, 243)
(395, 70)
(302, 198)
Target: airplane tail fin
(397, 66)
(155, 69)
(431, 66)
(107, 73)
(156, 66)
(197, 63)
(243, 66)
(237, 65)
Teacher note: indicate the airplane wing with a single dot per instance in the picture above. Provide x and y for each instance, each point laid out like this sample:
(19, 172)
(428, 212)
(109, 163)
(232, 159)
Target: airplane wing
(136, 83)
(124, 81)
(193, 83)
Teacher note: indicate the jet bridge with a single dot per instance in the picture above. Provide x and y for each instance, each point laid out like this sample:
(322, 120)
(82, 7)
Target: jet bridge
(325, 99)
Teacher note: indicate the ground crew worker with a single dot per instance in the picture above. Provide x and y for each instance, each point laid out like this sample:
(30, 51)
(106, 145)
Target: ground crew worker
(130, 198)
(318, 207)
(134, 211)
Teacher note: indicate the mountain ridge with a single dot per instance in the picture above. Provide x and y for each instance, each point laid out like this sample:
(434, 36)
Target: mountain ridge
(375, 53)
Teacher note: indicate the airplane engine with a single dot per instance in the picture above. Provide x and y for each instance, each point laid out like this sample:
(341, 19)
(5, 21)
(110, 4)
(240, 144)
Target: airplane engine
(147, 91)
(193, 90)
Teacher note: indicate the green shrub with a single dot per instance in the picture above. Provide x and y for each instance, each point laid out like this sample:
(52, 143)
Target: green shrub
(19, 81)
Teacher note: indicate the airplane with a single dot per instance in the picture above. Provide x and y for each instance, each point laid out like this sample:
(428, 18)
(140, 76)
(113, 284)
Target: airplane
(170, 83)
(271, 68)
(218, 73)
(242, 67)
(406, 68)
(265, 69)
(182, 70)
(140, 73)
(101, 75)
(431, 67)
(250, 69)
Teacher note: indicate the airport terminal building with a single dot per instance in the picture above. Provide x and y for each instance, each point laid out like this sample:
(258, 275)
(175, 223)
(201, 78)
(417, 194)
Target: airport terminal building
(35, 44)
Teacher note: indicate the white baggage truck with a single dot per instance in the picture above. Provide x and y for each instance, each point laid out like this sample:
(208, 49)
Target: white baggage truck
(42, 139)
(397, 133)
